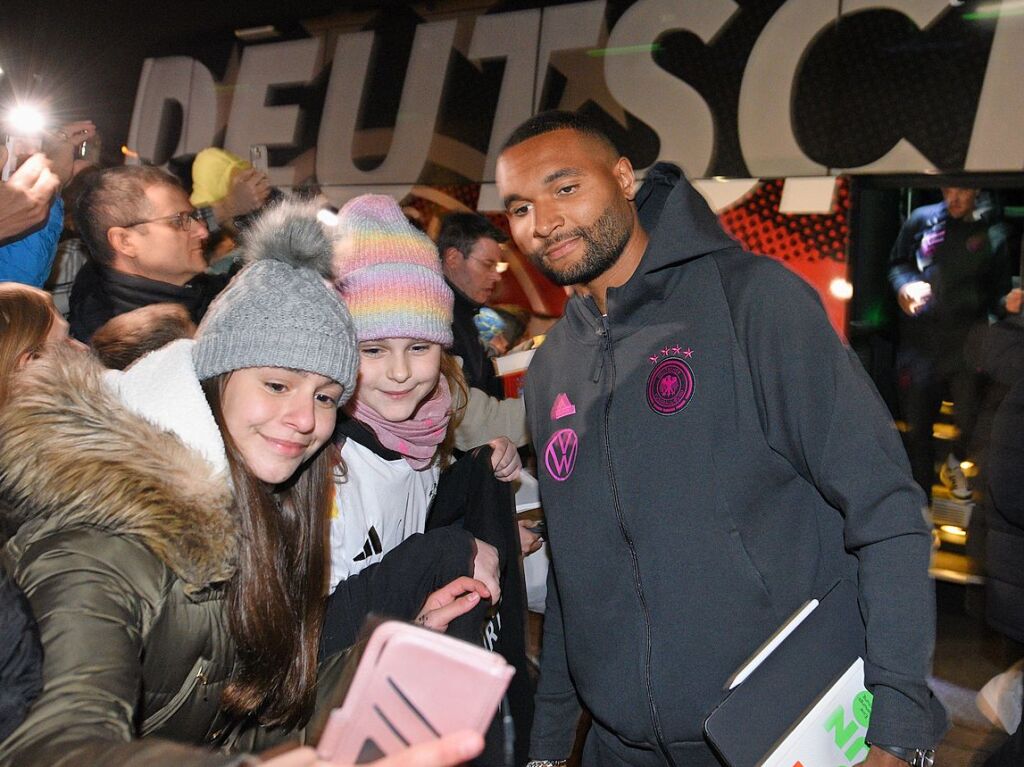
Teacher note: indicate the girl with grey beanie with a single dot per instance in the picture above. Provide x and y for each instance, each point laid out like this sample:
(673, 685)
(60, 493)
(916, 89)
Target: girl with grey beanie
(168, 528)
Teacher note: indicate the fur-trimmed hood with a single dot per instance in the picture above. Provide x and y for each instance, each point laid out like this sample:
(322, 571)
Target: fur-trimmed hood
(73, 454)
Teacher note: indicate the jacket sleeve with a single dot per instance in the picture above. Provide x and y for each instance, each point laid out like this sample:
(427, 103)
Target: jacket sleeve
(488, 418)
(397, 585)
(556, 706)
(28, 259)
(821, 412)
(92, 619)
(903, 258)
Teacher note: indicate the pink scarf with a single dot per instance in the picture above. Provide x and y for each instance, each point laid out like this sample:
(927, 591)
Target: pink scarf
(417, 438)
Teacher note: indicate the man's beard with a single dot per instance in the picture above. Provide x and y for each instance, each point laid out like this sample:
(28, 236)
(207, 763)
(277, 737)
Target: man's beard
(604, 241)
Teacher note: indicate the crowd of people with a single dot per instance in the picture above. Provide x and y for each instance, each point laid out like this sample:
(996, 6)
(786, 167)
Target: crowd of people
(233, 464)
(265, 421)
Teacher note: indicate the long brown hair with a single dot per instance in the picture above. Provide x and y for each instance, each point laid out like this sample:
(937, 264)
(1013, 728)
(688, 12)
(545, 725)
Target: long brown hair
(26, 316)
(276, 597)
(452, 371)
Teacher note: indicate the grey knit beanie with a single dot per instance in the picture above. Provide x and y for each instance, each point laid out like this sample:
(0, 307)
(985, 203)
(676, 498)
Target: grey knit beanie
(280, 310)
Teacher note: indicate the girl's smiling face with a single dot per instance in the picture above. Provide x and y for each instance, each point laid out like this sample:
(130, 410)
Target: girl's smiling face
(396, 375)
(278, 418)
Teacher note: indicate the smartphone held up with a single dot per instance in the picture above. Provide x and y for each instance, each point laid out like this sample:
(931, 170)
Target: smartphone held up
(412, 686)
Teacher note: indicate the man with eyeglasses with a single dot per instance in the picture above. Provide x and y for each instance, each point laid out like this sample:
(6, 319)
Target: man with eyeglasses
(145, 244)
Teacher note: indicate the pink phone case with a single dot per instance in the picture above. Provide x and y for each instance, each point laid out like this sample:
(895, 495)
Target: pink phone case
(413, 685)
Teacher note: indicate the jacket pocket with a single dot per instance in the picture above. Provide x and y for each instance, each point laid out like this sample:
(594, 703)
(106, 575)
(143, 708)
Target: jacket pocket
(197, 676)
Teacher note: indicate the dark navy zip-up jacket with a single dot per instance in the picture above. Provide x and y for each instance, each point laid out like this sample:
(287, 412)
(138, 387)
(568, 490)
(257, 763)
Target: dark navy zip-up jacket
(711, 456)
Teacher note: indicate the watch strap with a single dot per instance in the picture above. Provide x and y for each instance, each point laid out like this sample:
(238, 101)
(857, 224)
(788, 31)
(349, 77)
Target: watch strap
(915, 757)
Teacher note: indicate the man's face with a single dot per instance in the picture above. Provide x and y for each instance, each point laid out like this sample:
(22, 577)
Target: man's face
(475, 273)
(566, 200)
(959, 201)
(163, 250)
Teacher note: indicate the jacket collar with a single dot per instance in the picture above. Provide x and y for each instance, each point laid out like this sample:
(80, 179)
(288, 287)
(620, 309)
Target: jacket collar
(130, 291)
(73, 455)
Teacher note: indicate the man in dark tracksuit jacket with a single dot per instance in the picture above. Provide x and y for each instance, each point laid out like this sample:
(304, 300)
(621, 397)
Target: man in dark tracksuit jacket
(710, 455)
(950, 270)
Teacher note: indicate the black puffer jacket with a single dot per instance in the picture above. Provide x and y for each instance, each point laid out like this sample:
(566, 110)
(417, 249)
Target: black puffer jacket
(1005, 542)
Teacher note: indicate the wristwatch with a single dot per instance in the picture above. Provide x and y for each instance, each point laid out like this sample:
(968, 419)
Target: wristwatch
(915, 757)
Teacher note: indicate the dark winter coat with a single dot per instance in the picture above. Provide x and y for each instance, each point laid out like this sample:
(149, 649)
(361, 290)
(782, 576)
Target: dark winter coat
(125, 539)
(1005, 540)
(100, 294)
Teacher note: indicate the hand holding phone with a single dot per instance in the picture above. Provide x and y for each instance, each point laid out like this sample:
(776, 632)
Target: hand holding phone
(413, 686)
(258, 157)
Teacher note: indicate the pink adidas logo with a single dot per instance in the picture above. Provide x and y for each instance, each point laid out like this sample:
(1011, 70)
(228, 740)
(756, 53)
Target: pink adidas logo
(562, 407)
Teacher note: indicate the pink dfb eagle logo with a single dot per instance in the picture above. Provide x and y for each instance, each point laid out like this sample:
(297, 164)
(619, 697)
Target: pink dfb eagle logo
(670, 386)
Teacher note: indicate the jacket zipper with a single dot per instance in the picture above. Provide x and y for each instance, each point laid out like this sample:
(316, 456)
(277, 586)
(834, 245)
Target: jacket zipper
(605, 333)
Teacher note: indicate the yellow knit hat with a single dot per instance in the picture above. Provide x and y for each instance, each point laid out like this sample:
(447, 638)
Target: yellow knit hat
(211, 175)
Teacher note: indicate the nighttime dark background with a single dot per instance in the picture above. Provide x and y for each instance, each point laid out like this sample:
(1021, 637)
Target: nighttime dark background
(84, 58)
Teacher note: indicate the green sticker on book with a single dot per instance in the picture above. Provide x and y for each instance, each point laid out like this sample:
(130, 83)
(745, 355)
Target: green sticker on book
(862, 708)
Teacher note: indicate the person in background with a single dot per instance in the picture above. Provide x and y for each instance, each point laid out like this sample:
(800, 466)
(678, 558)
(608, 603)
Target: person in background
(126, 337)
(950, 270)
(167, 525)
(470, 249)
(145, 243)
(29, 198)
(472, 262)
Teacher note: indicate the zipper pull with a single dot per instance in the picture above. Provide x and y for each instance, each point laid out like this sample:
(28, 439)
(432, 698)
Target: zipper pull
(599, 365)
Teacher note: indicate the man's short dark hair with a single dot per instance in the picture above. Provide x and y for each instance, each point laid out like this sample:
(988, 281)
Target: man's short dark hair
(557, 119)
(115, 197)
(462, 230)
(126, 337)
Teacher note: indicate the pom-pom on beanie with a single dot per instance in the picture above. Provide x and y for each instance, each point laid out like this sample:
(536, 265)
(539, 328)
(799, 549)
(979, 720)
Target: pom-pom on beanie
(389, 274)
(279, 310)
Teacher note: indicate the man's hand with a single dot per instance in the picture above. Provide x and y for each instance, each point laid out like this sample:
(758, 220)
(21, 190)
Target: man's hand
(1012, 302)
(60, 146)
(879, 758)
(249, 190)
(450, 601)
(25, 198)
(914, 296)
(529, 541)
(505, 459)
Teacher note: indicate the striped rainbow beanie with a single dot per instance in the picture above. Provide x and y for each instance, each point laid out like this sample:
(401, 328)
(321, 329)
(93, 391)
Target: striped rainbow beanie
(389, 274)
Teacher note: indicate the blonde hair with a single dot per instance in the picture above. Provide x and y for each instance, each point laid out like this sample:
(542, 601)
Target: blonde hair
(452, 371)
(26, 316)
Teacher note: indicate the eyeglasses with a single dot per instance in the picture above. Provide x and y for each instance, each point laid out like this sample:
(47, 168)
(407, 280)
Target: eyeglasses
(492, 266)
(182, 221)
